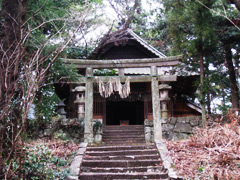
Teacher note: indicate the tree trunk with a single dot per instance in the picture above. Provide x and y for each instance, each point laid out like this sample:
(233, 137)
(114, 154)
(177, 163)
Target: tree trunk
(202, 94)
(13, 16)
(209, 103)
(208, 94)
(232, 76)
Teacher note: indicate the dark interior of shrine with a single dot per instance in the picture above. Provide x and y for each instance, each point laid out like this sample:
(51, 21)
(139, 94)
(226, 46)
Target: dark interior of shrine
(117, 111)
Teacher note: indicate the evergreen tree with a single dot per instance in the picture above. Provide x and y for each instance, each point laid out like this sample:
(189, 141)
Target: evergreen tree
(190, 26)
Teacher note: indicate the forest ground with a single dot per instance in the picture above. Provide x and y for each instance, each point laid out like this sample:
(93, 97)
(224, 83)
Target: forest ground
(211, 153)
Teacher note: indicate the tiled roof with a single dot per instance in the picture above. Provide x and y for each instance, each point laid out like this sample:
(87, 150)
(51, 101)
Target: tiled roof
(121, 37)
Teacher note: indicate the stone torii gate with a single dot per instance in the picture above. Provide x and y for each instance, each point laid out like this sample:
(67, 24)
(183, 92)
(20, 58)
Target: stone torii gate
(154, 78)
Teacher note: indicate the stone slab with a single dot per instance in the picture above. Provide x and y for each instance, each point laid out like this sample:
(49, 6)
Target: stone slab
(124, 169)
(148, 122)
(69, 177)
(167, 127)
(181, 120)
(120, 163)
(121, 152)
(81, 151)
(183, 128)
(194, 122)
(132, 175)
(76, 163)
(165, 121)
(83, 145)
(180, 136)
(117, 148)
(173, 120)
(126, 157)
(167, 160)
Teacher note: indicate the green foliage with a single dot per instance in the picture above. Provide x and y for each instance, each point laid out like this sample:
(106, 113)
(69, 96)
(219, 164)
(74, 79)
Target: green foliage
(61, 72)
(46, 103)
(189, 28)
(200, 169)
(40, 164)
(97, 126)
(60, 135)
(74, 52)
(50, 22)
(105, 72)
(50, 15)
(46, 99)
(224, 108)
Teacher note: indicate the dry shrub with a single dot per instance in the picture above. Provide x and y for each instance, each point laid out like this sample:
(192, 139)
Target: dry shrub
(211, 153)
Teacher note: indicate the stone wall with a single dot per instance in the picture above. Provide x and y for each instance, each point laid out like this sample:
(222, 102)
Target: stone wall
(72, 129)
(173, 128)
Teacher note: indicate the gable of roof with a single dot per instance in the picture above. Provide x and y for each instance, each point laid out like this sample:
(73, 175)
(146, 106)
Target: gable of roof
(145, 44)
(122, 38)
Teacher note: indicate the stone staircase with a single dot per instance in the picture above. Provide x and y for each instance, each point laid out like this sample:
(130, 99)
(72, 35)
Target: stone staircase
(122, 162)
(125, 156)
(117, 135)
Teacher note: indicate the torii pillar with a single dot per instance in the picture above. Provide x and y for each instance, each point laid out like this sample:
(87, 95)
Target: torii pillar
(88, 121)
(157, 124)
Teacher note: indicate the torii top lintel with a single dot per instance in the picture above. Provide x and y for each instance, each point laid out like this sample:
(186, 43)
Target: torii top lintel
(125, 63)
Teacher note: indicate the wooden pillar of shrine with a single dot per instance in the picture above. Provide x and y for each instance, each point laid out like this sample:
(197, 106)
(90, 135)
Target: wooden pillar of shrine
(157, 124)
(88, 125)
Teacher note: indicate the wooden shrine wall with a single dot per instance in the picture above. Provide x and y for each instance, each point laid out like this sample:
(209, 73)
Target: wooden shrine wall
(180, 109)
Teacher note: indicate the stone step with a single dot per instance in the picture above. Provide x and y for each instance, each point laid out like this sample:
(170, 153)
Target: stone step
(130, 133)
(123, 142)
(123, 128)
(114, 148)
(121, 152)
(127, 126)
(119, 131)
(108, 176)
(125, 138)
(123, 135)
(127, 157)
(123, 131)
(120, 163)
(124, 169)
(107, 144)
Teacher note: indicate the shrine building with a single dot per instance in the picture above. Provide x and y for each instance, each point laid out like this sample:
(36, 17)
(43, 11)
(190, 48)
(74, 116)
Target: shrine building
(145, 85)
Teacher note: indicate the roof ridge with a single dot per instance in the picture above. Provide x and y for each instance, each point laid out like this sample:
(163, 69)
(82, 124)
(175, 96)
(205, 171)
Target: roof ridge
(145, 44)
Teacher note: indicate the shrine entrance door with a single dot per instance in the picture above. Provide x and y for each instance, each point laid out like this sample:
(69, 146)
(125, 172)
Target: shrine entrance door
(119, 112)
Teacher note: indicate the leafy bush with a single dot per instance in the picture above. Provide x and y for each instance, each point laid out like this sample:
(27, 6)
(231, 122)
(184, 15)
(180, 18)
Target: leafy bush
(40, 164)
(97, 126)
(61, 135)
